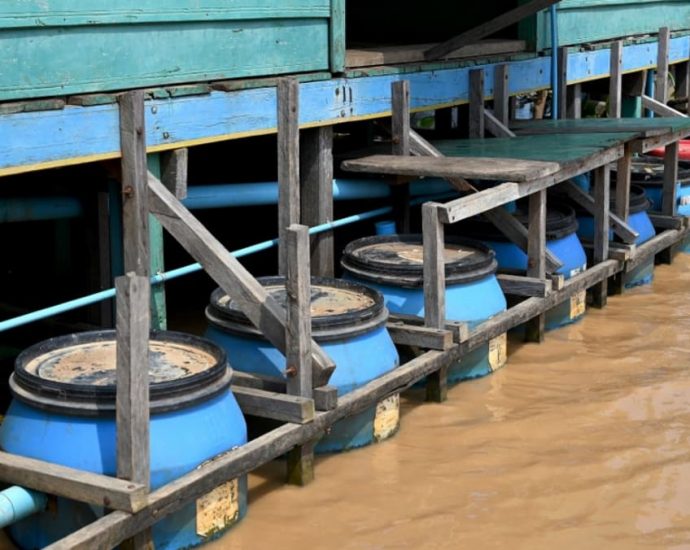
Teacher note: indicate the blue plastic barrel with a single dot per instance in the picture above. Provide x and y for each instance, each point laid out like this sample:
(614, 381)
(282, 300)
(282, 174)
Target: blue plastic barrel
(63, 411)
(561, 240)
(349, 322)
(393, 265)
(639, 220)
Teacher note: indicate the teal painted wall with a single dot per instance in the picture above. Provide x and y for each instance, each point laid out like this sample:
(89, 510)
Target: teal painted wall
(61, 47)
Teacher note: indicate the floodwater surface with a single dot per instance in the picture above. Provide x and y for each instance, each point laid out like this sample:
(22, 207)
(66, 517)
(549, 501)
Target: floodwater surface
(580, 442)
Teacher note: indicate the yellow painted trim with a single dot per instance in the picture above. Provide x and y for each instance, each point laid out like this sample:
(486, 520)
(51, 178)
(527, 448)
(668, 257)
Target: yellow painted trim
(12, 170)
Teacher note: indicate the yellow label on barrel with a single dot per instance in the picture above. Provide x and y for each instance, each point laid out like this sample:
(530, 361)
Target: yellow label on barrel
(498, 351)
(387, 417)
(218, 509)
(577, 304)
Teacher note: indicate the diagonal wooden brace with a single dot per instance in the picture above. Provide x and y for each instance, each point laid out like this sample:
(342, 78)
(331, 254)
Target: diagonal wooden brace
(261, 309)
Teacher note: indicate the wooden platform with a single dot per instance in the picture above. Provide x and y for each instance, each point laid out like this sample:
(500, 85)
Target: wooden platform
(645, 127)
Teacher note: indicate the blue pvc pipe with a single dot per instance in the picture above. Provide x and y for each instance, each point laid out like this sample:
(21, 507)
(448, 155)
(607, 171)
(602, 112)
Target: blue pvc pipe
(17, 503)
(37, 209)
(554, 62)
(179, 272)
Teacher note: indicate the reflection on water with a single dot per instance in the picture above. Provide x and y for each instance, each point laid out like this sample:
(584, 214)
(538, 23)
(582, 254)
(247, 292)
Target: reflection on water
(581, 441)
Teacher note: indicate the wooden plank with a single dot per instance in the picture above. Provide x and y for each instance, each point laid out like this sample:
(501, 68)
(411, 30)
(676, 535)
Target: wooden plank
(601, 230)
(623, 173)
(496, 169)
(563, 91)
(277, 406)
(518, 285)
(300, 464)
(557, 280)
(325, 397)
(495, 127)
(53, 479)
(458, 330)
(133, 325)
(502, 93)
(414, 53)
(654, 246)
(616, 80)
(434, 267)
(421, 337)
(661, 221)
(660, 108)
(661, 77)
(174, 168)
(134, 174)
(487, 29)
(400, 134)
(476, 120)
(262, 310)
(669, 199)
(536, 261)
(469, 206)
(586, 201)
(288, 164)
(316, 198)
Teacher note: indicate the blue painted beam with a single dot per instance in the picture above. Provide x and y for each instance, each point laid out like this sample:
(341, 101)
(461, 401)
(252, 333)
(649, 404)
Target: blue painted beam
(73, 135)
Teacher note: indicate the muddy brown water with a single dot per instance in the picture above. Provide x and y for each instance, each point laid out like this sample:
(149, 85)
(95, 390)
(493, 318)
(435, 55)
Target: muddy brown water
(580, 442)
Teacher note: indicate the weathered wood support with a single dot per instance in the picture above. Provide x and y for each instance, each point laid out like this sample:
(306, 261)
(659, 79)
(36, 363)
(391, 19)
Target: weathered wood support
(660, 108)
(517, 285)
(601, 231)
(669, 198)
(174, 170)
(420, 336)
(325, 397)
(496, 127)
(477, 110)
(661, 78)
(616, 80)
(300, 460)
(316, 174)
(288, 164)
(276, 406)
(563, 88)
(400, 133)
(623, 173)
(502, 93)
(536, 262)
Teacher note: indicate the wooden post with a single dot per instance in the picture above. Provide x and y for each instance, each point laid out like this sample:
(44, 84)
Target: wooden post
(400, 130)
(536, 257)
(133, 297)
(174, 170)
(300, 464)
(616, 80)
(669, 199)
(502, 94)
(683, 83)
(316, 200)
(476, 103)
(563, 89)
(601, 231)
(288, 163)
(434, 291)
(661, 78)
(574, 101)
(623, 183)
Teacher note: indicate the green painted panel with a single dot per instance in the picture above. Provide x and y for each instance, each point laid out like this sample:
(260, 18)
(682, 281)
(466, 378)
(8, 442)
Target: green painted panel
(555, 147)
(45, 62)
(583, 21)
(41, 13)
(159, 320)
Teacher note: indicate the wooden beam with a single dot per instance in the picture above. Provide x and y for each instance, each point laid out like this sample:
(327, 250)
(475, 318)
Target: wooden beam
(53, 479)
(574, 101)
(518, 285)
(502, 93)
(476, 103)
(660, 221)
(300, 462)
(262, 310)
(400, 134)
(174, 171)
(660, 108)
(669, 199)
(487, 29)
(316, 198)
(623, 173)
(458, 329)
(661, 77)
(586, 201)
(616, 79)
(135, 219)
(495, 127)
(277, 406)
(325, 397)
(536, 261)
(654, 246)
(288, 164)
(420, 336)
(601, 230)
(563, 82)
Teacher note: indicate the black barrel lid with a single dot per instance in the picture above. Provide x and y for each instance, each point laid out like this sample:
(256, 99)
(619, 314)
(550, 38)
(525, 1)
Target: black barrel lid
(648, 170)
(398, 260)
(75, 374)
(561, 221)
(338, 308)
